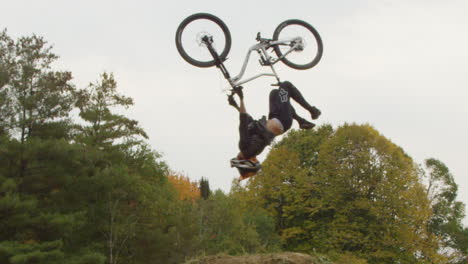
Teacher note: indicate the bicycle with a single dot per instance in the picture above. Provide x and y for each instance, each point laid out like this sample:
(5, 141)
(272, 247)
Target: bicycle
(216, 34)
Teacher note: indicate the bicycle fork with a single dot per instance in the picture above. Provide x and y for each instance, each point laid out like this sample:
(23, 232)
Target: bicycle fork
(219, 63)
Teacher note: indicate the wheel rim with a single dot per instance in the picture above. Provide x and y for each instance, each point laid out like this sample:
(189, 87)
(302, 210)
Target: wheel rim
(189, 39)
(311, 51)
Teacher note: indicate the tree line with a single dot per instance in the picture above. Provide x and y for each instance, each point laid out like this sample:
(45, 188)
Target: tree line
(79, 184)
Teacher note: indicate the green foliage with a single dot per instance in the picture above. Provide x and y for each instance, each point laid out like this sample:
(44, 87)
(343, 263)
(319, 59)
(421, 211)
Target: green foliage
(94, 192)
(105, 127)
(87, 258)
(90, 196)
(347, 190)
(130, 183)
(215, 235)
(6, 53)
(204, 188)
(32, 218)
(32, 95)
(447, 213)
(31, 252)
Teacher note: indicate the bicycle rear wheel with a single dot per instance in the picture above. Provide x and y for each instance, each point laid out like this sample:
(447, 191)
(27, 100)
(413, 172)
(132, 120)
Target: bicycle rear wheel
(312, 47)
(190, 35)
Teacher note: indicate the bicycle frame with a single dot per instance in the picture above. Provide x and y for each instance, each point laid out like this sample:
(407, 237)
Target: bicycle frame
(265, 58)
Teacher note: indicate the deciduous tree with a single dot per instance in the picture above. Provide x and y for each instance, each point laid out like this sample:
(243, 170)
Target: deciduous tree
(448, 213)
(347, 190)
(186, 189)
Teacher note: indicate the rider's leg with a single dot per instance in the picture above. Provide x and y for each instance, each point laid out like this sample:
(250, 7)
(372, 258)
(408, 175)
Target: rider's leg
(295, 94)
(280, 109)
(303, 124)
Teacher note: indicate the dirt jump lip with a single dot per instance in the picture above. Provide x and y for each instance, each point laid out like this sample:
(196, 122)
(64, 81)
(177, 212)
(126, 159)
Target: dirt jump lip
(274, 258)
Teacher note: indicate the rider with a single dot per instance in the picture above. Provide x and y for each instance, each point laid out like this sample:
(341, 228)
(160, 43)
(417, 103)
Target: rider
(256, 135)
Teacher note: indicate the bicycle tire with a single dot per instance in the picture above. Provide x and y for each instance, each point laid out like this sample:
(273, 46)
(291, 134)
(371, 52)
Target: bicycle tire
(186, 56)
(318, 39)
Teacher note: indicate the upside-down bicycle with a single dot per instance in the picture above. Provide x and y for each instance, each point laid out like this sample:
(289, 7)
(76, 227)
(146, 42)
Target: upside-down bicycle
(204, 40)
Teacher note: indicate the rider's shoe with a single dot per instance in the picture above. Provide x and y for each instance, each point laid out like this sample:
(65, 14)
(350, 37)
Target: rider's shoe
(249, 164)
(314, 112)
(246, 168)
(304, 124)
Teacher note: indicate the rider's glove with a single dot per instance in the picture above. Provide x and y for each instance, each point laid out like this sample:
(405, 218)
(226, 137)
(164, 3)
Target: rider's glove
(231, 101)
(238, 91)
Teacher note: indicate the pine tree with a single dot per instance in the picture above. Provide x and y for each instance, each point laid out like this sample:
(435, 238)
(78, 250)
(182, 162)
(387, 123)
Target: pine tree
(131, 193)
(6, 62)
(37, 95)
(36, 164)
(204, 188)
(88, 193)
(98, 105)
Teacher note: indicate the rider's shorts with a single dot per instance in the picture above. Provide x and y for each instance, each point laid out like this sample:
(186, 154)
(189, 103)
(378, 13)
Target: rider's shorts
(280, 107)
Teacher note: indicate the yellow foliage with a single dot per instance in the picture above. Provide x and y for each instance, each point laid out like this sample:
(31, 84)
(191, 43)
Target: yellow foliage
(186, 189)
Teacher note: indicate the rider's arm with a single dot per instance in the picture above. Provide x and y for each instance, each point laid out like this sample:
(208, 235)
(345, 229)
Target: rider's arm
(242, 108)
(233, 102)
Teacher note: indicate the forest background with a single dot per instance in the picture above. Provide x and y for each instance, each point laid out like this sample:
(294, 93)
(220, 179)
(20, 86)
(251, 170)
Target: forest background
(398, 65)
(80, 184)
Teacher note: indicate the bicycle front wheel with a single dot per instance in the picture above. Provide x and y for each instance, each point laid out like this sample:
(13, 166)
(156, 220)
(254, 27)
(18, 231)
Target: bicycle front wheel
(310, 49)
(190, 37)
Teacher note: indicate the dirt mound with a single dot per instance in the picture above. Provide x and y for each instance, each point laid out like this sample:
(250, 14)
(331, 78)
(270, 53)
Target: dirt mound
(279, 258)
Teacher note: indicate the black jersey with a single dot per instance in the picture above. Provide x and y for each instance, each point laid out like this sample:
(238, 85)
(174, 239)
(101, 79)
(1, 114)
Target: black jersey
(254, 136)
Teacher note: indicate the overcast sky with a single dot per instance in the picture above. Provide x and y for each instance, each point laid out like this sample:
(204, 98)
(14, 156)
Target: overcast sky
(399, 65)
